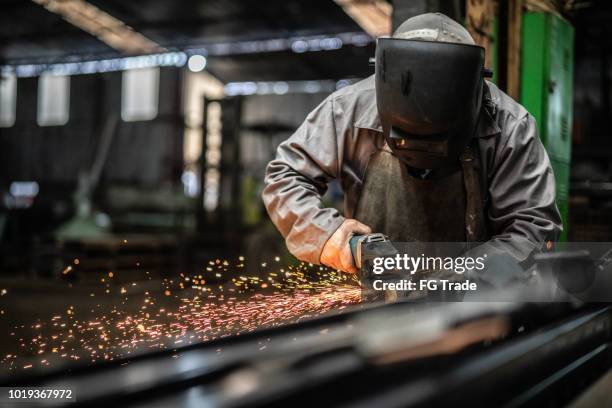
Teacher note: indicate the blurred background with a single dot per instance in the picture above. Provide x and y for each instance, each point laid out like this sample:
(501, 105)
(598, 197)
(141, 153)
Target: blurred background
(143, 128)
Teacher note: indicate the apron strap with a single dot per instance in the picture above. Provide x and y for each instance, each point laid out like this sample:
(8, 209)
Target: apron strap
(474, 214)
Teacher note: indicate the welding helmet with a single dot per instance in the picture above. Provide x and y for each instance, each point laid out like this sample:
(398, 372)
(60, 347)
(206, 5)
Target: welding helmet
(429, 91)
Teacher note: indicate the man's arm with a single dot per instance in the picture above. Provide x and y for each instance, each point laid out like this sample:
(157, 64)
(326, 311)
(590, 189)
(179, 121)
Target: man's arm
(522, 213)
(296, 180)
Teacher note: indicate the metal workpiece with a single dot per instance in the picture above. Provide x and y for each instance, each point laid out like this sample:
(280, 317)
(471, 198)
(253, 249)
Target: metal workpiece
(395, 355)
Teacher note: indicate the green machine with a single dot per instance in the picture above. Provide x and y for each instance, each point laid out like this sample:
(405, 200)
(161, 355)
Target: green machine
(547, 66)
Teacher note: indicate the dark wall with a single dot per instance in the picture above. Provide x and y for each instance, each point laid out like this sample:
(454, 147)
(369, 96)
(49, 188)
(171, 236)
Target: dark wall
(142, 153)
(593, 82)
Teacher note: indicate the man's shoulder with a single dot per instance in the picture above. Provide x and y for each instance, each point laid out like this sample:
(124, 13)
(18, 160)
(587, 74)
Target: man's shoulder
(357, 102)
(507, 111)
(358, 89)
(510, 124)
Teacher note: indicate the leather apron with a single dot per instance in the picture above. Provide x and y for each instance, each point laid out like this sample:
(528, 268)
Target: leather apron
(406, 208)
(447, 207)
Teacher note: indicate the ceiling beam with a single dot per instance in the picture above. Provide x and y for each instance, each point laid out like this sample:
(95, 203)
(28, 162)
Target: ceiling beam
(108, 29)
(373, 16)
(115, 33)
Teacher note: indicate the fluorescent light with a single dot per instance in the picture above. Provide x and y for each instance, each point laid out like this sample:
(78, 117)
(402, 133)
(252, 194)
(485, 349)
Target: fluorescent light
(295, 44)
(280, 88)
(24, 189)
(179, 58)
(284, 87)
(53, 100)
(169, 59)
(196, 63)
(191, 183)
(139, 94)
(8, 99)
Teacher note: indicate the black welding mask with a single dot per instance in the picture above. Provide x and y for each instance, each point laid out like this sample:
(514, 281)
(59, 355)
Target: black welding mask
(429, 96)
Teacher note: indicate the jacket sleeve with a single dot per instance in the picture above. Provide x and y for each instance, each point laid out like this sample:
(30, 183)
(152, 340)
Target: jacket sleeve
(296, 180)
(523, 212)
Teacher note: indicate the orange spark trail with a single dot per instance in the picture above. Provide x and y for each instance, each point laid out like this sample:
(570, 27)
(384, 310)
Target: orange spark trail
(185, 311)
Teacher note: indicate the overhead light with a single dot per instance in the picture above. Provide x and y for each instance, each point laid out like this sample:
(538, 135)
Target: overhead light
(168, 59)
(284, 87)
(24, 189)
(374, 16)
(196, 63)
(81, 65)
(280, 88)
(115, 33)
(296, 44)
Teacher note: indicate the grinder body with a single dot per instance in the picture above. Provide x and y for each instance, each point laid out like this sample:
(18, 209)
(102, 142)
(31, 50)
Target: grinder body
(377, 244)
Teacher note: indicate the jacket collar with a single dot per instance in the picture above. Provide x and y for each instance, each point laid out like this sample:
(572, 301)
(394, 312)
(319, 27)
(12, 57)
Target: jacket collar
(369, 118)
(487, 126)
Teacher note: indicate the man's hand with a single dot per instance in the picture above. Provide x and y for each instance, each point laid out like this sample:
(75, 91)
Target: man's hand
(336, 253)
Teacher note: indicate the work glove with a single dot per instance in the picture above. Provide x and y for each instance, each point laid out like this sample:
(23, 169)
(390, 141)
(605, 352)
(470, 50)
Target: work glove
(336, 253)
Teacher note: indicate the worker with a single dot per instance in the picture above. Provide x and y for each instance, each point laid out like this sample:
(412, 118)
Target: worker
(426, 150)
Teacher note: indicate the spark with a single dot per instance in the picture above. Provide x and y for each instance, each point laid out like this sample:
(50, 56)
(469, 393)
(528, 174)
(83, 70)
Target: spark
(186, 310)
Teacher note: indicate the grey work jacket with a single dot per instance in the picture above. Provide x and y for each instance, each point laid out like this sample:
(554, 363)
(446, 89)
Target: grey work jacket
(337, 138)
